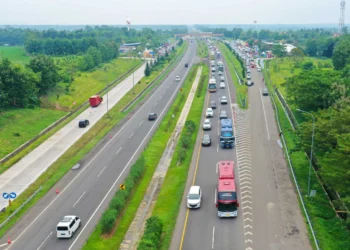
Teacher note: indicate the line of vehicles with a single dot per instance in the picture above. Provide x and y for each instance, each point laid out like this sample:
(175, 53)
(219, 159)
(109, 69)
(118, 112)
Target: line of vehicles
(226, 200)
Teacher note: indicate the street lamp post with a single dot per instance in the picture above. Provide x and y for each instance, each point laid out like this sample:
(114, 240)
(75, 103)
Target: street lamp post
(312, 146)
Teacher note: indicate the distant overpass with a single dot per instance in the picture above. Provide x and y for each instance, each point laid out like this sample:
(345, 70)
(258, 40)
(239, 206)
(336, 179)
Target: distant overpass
(202, 34)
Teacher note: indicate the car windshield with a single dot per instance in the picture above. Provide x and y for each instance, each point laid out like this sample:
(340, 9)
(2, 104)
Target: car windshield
(193, 196)
(227, 207)
(227, 196)
(226, 134)
(62, 228)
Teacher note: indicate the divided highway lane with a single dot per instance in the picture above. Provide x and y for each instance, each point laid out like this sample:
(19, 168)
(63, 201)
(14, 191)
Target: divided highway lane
(92, 187)
(204, 229)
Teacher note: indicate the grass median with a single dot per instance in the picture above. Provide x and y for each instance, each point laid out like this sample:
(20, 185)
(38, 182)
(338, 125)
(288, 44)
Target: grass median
(152, 155)
(330, 231)
(241, 90)
(175, 181)
(74, 154)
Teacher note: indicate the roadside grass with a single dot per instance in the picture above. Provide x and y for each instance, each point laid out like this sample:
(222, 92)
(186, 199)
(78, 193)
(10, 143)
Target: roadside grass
(241, 90)
(20, 125)
(15, 54)
(175, 181)
(202, 50)
(86, 84)
(152, 155)
(72, 156)
(330, 231)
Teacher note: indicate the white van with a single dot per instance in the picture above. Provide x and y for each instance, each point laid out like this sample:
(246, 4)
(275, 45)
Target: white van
(194, 197)
(68, 226)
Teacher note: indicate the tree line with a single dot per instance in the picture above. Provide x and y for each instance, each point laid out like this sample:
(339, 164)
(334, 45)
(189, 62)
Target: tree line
(22, 86)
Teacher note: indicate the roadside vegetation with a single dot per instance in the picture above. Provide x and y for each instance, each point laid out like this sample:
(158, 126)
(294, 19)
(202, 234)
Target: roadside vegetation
(152, 155)
(235, 67)
(314, 86)
(202, 49)
(175, 181)
(15, 54)
(78, 151)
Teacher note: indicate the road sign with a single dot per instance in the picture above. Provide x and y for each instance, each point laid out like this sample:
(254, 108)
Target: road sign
(13, 195)
(122, 187)
(312, 193)
(5, 196)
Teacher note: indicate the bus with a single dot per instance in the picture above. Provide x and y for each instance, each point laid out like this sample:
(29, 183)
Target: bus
(226, 200)
(227, 138)
(212, 85)
(226, 170)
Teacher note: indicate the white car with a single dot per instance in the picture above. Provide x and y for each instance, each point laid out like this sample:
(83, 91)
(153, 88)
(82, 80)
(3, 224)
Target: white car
(68, 226)
(209, 113)
(222, 85)
(206, 124)
(223, 100)
(177, 78)
(259, 69)
(248, 76)
(194, 197)
(220, 73)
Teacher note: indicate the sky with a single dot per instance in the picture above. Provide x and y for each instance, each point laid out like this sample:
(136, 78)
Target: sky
(64, 12)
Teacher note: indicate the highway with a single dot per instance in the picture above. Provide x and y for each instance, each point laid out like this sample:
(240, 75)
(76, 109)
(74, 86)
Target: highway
(86, 192)
(269, 216)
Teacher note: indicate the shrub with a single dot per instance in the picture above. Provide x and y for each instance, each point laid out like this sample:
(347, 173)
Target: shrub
(153, 232)
(185, 141)
(108, 220)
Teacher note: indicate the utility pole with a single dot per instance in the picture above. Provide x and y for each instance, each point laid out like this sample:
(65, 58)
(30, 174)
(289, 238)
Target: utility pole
(342, 16)
(312, 147)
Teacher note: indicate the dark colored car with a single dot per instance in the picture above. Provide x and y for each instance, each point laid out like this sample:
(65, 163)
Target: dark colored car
(83, 123)
(213, 105)
(223, 114)
(186, 65)
(152, 116)
(265, 91)
(206, 140)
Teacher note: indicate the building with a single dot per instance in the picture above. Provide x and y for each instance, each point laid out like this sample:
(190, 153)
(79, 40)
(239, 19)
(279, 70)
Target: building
(128, 47)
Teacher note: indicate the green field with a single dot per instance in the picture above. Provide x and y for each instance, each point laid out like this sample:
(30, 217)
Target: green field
(20, 125)
(202, 50)
(16, 54)
(86, 84)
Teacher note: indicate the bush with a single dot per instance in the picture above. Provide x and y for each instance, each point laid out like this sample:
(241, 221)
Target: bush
(119, 201)
(190, 126)
(108, 220)
(185, 141)
(153, 232)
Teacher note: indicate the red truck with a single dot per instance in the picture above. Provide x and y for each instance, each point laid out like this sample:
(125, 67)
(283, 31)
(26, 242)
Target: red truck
(95, 100)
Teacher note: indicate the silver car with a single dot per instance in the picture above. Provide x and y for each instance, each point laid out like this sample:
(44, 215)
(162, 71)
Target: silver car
(223, 100)
(206, 124)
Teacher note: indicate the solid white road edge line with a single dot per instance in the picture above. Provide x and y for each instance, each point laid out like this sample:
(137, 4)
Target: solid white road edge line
(44, 241)
(132, 157)
(267, 127)
(81, 196)
(87, 165)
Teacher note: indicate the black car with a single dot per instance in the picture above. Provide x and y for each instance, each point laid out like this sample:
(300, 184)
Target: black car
(206, 140)
(83, 123)
(265, 91)
(186, 65)
(152, 116)
(213, 105)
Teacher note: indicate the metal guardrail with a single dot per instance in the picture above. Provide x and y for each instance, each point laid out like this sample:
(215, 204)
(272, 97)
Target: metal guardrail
(294, 178)
(55, 124)
(152, 83)
(20, 207)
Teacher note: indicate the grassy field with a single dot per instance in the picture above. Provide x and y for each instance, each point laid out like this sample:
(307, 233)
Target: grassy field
(330, 230)
(88, 83)
(175, 181)
(20, 125)
(16, 54)
(152, 155)
(80, 149)
(202, 49)
(231, 60)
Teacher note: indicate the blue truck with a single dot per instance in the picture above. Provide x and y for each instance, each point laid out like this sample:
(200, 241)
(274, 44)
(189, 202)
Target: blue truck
(227, 139)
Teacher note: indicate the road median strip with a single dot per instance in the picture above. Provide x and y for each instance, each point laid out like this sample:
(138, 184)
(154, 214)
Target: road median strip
(151, 154)
(74, 154)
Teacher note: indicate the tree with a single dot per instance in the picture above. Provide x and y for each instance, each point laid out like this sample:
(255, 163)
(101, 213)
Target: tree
(341, 52)
(279, 50)
(308, 66)
(312, 90)
(47, 70)
(297, 52)
(311, 47)
(166, 54)
(147, 70)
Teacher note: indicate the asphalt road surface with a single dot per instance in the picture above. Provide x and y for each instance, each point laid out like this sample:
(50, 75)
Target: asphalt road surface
(269, 216)
(87, 192)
